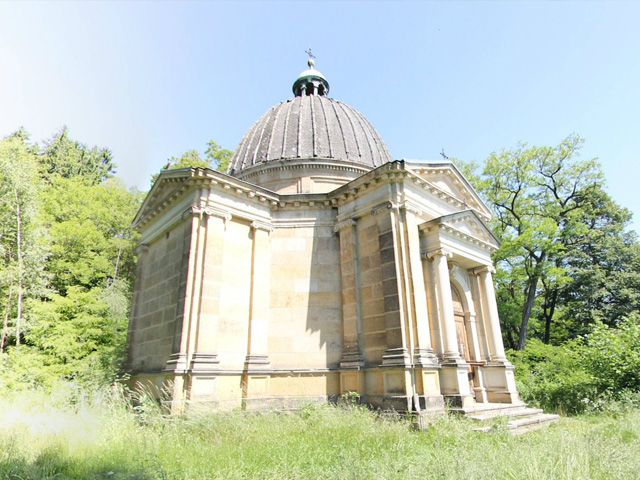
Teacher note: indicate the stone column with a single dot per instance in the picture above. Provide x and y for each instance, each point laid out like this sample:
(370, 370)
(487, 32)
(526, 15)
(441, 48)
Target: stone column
(483, 342)
(432, 304)
(423, 350)
(472, 335)
(445, 304)
(352, 355)
(491, 311)
(257, 349)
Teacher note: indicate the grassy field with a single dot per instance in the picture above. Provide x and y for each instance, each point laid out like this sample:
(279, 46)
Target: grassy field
(65, 436)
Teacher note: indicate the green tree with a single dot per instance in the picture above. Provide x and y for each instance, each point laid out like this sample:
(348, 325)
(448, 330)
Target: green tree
(78, 314)
(69, 158)
(215, 157)
(537, 194)
(79, 326)
(218, 157)
(22, 247)
(92, 240)
(603, 265)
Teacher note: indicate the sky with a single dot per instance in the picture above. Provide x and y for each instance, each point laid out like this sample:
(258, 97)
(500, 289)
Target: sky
(150, 80)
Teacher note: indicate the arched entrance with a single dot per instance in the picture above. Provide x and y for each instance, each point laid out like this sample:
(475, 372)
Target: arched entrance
(461, 333)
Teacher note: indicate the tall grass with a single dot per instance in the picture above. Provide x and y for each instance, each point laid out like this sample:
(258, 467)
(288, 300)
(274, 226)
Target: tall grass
(67, 435)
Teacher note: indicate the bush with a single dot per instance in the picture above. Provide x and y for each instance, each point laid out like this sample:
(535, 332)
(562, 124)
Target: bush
(598, 372)
(552, 378)
(612, 356)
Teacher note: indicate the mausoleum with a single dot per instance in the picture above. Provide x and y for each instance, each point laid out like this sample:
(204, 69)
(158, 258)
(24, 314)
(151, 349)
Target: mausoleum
(317, 266)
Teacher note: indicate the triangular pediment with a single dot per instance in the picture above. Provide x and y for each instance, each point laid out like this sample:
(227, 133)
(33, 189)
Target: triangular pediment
(167, 183)
(173, 185)
(445, 177)
(467, 224)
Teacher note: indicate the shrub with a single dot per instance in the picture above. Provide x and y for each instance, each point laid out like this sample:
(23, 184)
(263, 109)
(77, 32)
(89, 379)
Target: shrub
(600, 371)
(552, 377)
(612, 356)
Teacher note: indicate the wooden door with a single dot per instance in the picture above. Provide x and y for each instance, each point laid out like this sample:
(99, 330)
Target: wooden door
(461, 331)
(461, 334)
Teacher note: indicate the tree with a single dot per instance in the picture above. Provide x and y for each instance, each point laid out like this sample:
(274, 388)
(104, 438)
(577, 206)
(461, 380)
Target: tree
(604, 267)
(69, 158)
(22, 249)
(75, 281)
(215, 157)
(218, 157)
(79, 326)
(537, 194)
(92, 240)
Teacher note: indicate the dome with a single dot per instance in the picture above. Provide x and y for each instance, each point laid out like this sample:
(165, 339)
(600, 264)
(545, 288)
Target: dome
(310, 129)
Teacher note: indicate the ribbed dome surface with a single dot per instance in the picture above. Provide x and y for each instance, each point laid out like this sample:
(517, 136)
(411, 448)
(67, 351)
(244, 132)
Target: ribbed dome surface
(310, 127)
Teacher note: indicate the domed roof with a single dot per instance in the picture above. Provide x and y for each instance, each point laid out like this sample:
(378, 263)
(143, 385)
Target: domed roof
(310, 126)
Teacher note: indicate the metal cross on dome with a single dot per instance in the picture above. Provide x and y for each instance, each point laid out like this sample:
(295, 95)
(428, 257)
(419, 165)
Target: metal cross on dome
(308, 52)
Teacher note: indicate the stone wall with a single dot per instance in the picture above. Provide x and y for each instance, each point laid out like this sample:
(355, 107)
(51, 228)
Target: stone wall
(305, 320)
(158, 299)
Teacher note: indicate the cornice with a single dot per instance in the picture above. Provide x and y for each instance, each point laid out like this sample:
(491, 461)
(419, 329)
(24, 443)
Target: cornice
(185, 180)
(454, 232)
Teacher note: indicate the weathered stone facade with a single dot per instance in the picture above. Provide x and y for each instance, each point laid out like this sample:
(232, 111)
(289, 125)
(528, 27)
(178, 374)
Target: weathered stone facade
(341, 276)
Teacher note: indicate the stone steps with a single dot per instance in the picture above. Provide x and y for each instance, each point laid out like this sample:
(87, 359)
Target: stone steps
(520, 418)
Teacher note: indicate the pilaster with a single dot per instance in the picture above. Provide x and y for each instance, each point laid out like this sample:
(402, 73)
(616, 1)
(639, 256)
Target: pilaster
(257, 351)
(352, 356)
(204, 358)
(397, 351)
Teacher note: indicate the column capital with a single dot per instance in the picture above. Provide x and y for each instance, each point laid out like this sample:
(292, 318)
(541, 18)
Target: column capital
(142, 249)
(349, 222)
(382, 208)
(439, 252)
(409, 207)
(267, 227)
(484, 269)
(216, 212)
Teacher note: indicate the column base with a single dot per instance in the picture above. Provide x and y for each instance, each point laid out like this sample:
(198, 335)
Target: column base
(396, 357)
(257, 362)
(351, 360)
(500, 362)
(177, 363)
(423, 356)
(202, 362)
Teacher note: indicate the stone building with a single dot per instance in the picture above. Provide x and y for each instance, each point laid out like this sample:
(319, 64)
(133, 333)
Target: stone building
(316, 266)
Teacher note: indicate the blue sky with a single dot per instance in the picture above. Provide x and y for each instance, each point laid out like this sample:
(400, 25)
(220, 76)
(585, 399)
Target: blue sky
(150, 80)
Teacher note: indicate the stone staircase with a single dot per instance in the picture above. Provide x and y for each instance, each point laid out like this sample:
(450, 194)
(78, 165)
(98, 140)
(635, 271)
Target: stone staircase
(519, 418)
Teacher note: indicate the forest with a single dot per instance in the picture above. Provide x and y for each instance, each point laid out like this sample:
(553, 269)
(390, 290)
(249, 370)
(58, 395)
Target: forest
(568, 281)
